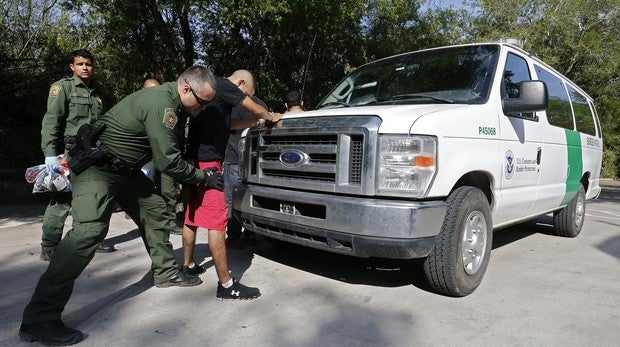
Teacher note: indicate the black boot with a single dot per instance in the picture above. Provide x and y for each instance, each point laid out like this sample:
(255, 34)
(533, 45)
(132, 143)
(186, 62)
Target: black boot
(181, 279)
(47, 255)
(105, 248)
(50, 333)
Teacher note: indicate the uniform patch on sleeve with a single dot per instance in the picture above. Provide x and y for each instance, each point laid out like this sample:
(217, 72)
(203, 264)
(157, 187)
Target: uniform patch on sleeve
(170, 118)
(55, 90)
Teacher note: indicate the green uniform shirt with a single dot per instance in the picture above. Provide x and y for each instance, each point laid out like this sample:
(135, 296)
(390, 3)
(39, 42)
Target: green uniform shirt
(70, 104)
(145, 125)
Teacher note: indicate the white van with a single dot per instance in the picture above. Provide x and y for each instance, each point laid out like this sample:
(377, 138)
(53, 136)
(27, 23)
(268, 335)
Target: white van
(422, 155)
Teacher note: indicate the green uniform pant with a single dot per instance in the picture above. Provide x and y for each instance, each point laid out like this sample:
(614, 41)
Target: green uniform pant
(94, 193)
(54, 220)
(168, 191)
(171, 195)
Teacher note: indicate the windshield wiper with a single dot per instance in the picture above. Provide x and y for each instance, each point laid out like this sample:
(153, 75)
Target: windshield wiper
(420, 96)
(335, 103)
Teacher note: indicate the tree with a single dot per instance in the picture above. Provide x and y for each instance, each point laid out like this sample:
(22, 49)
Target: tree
(578, 38)
(300, 44)
(287, 44)
(36, 36)
(310, 45)
(397, 26)
(145, 38)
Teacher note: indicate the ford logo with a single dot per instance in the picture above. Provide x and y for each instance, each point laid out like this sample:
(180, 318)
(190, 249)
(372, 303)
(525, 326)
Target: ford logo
(293, 157)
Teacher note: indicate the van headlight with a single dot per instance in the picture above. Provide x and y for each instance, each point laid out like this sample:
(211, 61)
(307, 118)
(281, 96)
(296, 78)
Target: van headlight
(407, 165)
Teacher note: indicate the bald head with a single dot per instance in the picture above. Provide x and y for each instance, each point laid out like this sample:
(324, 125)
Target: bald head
(151, 82)
(244, 79)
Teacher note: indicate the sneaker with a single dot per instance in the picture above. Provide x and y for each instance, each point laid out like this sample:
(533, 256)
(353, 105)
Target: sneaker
(180, 280)
(236, 291)
(193, 271)
(50, 333)
(47, 255)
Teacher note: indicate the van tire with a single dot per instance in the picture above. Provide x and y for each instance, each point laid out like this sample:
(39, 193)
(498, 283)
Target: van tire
(569, 220)
(468, 215)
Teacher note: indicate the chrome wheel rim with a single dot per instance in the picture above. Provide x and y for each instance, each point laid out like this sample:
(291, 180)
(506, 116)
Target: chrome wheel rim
(473, 245)
(580, 210)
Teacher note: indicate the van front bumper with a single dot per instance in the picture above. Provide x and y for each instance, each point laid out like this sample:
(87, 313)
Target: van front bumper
(358, 226)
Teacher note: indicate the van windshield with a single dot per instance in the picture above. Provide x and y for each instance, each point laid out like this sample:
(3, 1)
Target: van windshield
(460, 75)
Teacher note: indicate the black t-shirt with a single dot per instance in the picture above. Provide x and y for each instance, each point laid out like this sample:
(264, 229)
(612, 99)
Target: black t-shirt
(209, 130)
(240, 113)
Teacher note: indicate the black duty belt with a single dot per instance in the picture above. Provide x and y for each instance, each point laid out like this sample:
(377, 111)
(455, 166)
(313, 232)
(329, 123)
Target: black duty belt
(116, 165)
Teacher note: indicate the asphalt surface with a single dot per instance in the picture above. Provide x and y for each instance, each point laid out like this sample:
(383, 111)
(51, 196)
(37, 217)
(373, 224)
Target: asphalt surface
(539, 290)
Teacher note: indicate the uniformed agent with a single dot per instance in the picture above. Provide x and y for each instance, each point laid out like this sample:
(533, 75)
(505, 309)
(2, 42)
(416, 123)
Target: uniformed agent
(72, 102)
(140, 127)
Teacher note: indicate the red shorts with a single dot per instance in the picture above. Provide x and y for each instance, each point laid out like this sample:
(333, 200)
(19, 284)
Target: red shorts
(207, 207)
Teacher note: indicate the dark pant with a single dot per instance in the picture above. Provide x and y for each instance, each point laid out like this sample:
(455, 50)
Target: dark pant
(94, 193)
(231, 180)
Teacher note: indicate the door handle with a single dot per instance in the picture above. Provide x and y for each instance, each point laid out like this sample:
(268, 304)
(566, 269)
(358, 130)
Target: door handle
(538, 156)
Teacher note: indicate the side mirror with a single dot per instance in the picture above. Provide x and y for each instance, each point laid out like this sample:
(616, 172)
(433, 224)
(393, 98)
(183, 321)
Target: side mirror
(532, 97)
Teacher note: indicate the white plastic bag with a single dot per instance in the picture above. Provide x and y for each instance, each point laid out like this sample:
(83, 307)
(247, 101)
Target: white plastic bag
(45, 181)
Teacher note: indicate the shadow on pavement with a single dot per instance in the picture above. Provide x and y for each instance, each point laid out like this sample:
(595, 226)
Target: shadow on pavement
(610, 194)
(239, 260)
(611, 246)
(394, 273)
(128, 236)
(368, 271)
(109, 301)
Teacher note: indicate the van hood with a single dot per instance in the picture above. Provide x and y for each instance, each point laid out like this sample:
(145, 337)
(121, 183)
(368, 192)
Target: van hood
(395, 118)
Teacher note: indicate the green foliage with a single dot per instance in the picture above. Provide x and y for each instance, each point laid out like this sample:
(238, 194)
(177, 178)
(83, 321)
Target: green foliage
(289, 44)
(33, 52)
(579, 38)
(398, 26)
(608, 107)
(610, 164)
(293, 44)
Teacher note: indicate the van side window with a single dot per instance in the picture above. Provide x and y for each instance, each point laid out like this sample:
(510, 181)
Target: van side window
(583, 115)
(558, 111)
(516, 71)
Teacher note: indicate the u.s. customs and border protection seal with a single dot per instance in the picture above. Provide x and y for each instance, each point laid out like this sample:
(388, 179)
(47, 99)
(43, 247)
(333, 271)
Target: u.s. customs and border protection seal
(170, 118)
(55, 90)
(510, 164)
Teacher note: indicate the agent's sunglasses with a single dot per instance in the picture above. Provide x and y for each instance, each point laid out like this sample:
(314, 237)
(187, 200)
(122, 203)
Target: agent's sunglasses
(198, 99)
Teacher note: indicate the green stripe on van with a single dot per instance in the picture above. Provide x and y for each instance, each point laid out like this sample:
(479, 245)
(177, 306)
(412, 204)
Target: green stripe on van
(575, 165)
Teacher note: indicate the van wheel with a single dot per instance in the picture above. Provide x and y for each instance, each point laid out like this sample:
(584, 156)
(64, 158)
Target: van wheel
(462, 250)
(569, 220)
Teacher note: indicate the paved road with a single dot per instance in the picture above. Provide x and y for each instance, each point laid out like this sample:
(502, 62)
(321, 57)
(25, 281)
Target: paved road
(539, 290)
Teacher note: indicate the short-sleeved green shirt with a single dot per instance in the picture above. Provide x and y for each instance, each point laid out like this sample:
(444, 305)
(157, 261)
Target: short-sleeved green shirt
(145, 125)
(70, 104)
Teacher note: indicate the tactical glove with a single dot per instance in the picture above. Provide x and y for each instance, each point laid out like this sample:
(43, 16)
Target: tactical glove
(213, 179)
